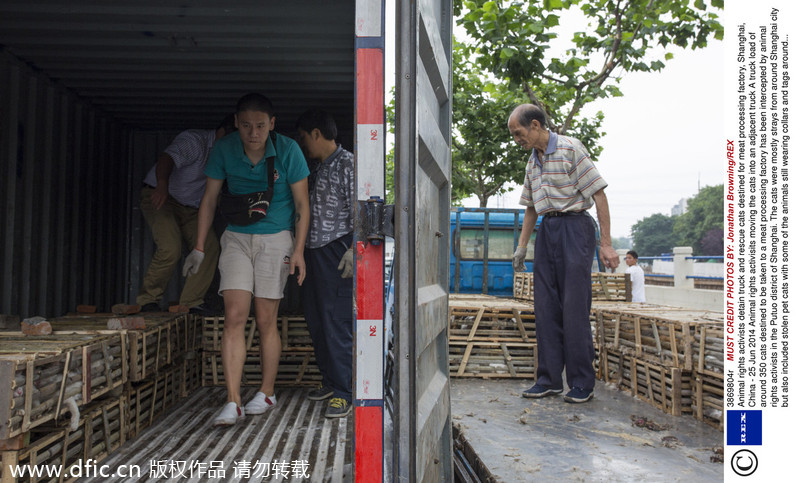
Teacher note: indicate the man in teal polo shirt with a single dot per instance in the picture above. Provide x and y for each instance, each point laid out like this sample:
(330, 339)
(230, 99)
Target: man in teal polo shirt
(256, 259)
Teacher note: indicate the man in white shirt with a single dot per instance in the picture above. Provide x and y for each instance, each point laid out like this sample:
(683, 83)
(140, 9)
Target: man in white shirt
(637, 276)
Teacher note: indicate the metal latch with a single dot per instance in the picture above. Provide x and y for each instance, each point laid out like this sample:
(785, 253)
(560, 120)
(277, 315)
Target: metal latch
(377, 220)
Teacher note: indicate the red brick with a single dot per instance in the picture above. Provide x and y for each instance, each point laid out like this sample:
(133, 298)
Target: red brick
(179, 309)
(125, 309)
(36, 326)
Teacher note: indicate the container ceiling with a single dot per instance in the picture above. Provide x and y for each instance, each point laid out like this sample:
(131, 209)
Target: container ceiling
(172, 65)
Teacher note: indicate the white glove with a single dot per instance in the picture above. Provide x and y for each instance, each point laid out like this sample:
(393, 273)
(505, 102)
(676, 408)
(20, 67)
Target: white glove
(346, 264)
(519, 258)
(193, 261)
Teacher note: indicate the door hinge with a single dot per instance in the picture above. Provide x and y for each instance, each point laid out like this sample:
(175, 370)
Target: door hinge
(376, 220)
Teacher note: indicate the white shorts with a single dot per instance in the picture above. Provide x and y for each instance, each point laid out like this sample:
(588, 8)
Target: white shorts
(256, 263)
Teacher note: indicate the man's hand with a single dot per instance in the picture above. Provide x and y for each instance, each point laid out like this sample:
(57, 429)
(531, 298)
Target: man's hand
(297, 261)
(159, 196)
(609, 256)
(193, 262)
(519, 258)
(346, 264)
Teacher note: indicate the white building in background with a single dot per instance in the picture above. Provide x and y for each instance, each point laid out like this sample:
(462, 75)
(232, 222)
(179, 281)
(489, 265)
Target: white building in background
(680, 208)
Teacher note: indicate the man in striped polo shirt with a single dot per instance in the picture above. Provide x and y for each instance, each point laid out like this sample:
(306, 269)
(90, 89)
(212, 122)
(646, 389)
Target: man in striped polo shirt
(170, 200)
(561, 183)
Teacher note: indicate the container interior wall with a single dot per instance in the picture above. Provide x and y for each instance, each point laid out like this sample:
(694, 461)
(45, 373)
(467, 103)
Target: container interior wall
(65, 199)
(71, 179)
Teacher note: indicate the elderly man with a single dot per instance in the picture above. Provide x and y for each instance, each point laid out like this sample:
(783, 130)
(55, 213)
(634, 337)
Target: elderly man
(561, 183)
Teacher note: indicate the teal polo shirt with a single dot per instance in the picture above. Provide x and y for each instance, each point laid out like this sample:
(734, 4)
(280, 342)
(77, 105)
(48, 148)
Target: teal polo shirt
(229, 162)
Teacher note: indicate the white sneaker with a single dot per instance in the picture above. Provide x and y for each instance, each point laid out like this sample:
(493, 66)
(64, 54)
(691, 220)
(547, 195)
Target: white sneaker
(231, 412)
(260, 403)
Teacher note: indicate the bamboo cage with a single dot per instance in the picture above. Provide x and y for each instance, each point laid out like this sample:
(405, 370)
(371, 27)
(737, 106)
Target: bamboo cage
(292, 329)
(39, 373)
(605, 286)
(101, 430)
(294, 369)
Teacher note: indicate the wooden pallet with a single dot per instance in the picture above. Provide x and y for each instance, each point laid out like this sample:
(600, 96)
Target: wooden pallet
(511, 324)
(292, 329)
(493, 359)
(164, 338)
(101, 430)
(605, 286)
(38, 374)
(295, 369)
(708, 401)
(665, 387)
(661, 335)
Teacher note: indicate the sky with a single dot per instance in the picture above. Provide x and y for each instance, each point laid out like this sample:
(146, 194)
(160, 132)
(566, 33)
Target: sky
(663, 139)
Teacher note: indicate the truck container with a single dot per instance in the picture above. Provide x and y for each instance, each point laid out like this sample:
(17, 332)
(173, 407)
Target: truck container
(482, 243)
(91, 91)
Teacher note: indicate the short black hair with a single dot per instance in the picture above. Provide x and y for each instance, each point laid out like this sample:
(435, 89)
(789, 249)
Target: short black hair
(228, 124)
(633, 254)
(317, 119)
(255, 102)
(529, 112)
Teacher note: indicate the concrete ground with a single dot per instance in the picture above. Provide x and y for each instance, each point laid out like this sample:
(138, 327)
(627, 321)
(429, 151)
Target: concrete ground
(531, 440)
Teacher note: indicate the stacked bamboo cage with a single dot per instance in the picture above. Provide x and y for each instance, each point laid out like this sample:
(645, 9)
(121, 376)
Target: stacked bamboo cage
(111, 384)
(491, 338)
(297, 365)
(39, 374)
(708, 395)
(605, 286)
(667, 356)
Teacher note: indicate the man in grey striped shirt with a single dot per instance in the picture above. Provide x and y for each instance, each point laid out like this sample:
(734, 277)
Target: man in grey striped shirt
(561, 183)
(328, 288)
(170, 200)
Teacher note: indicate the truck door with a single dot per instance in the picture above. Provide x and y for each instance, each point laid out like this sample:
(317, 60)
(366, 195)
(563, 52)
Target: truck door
(422, 431)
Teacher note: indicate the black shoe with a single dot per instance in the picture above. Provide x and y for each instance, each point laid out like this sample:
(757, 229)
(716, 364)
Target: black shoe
(578, 395)
(151, 307)
(338, 408)
(538, 391)
(203, 310)
(320, 394)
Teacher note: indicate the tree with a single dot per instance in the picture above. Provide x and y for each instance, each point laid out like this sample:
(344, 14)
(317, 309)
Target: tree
(653, 235)
(620, 243)
(485, 158)
(389, 166)
(511, 39)
(702, 222)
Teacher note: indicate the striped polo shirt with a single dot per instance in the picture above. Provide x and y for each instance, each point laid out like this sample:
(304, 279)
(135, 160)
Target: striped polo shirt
(189, 150)
(563, 180)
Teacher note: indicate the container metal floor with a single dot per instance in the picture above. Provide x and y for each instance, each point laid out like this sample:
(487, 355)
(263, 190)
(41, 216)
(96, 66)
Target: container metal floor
(548, 439)
(292, 442)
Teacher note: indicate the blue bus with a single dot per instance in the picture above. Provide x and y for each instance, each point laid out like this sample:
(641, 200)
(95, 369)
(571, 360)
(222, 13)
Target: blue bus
(487, 271)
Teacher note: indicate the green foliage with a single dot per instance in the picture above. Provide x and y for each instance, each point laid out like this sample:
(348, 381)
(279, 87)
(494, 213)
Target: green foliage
(653, 235)
(485, 158)
(389, 166)
(512, 38)
(625, 243)
(700, 227)
(702, 222)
